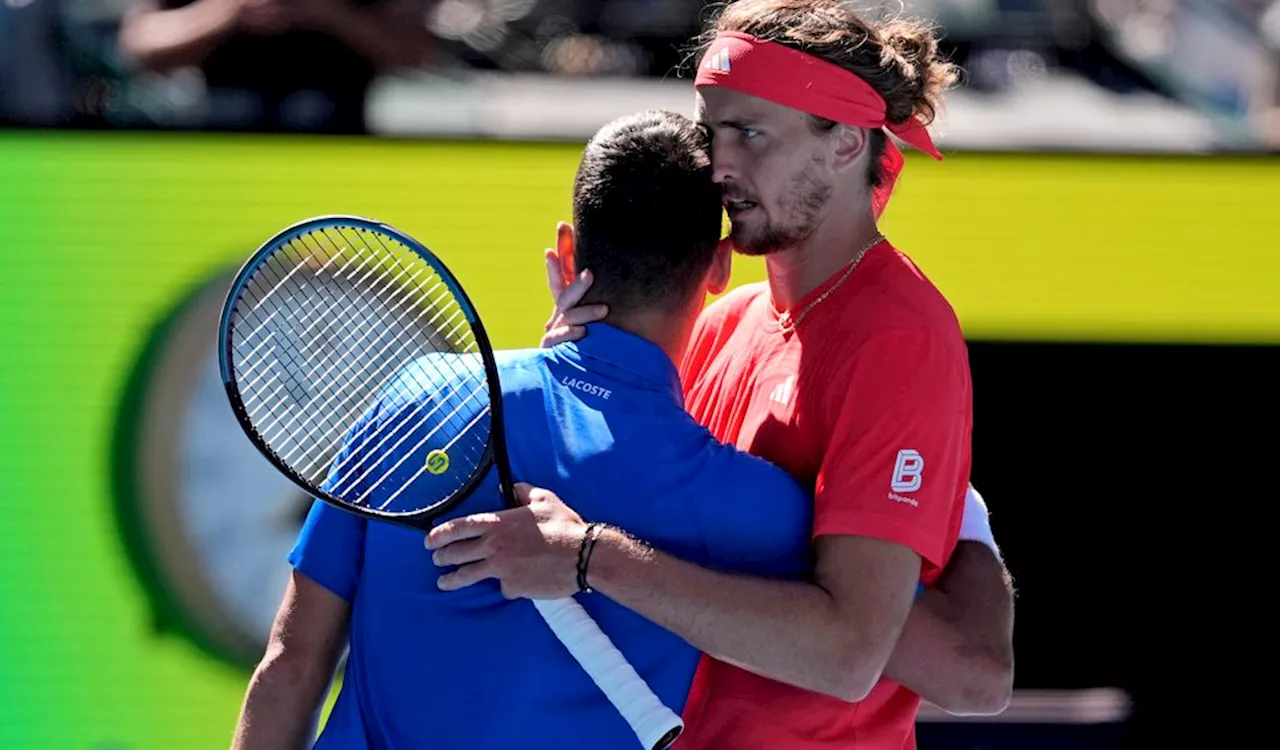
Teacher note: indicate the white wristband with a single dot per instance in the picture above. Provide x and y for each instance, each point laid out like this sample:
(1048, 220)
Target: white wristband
(975, 524)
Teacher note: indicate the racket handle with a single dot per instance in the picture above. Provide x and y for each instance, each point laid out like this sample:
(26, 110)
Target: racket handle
(655, 725)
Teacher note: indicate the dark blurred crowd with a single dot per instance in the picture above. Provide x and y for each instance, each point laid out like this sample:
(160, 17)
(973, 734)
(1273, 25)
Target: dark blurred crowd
(307, 65)
(269, 65)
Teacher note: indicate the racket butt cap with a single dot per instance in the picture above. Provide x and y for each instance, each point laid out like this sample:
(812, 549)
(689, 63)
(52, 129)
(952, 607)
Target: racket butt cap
(667, 740)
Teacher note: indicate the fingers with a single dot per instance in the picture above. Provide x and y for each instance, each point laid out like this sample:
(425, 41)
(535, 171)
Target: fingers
(580, 316)
(555, 274)
(461, 553)
(523, 492)
(568, 317)
(576, 317)
(573, 294)
(467, 527)
(465, 576)
(562, 334)
(527, 494)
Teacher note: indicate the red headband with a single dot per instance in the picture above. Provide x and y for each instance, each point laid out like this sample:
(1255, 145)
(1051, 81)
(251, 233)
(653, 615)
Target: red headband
(801, 81)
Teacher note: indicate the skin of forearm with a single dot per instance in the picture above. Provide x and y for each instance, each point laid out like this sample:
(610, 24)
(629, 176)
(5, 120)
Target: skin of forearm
(955, 650)
(282, 705)
(749, 622)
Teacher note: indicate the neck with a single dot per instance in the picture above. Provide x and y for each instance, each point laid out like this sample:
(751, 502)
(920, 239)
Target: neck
(668, 331)
(796, 271)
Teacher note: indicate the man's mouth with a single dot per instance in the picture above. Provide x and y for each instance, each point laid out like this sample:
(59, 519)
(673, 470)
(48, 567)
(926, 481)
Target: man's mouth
(735, 206)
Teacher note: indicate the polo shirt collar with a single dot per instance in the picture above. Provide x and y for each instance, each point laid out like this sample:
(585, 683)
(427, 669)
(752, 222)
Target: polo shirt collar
(628, 352)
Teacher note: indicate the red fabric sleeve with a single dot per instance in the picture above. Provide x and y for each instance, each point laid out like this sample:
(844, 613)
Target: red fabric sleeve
(897, 459)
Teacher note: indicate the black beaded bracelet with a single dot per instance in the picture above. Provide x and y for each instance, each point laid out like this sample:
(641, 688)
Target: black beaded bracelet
(588, 543)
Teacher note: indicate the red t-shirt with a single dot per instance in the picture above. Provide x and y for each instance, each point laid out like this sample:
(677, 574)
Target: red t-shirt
(868, 403)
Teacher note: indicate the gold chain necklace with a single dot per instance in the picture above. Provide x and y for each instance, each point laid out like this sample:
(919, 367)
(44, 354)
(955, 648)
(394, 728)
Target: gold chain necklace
(788, 322)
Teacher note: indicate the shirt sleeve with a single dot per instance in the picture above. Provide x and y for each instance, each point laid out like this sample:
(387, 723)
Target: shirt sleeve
(330, 548)
(759, 521)
(897, 460)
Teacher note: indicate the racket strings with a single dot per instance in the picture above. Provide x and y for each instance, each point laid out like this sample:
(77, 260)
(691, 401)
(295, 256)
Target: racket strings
(460, 331)
(326, 323)
(411, 426)
(368, 375)
(293, 376)
(320, 315)
(363, 498)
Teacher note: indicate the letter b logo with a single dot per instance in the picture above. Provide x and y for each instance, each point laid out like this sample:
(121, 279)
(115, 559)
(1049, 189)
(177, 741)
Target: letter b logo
(907, 471)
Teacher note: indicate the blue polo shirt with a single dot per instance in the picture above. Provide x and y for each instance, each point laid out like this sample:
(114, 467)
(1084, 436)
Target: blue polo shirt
(601, 422)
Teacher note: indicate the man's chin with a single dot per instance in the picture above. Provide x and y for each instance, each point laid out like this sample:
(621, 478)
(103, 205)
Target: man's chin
(753, 246)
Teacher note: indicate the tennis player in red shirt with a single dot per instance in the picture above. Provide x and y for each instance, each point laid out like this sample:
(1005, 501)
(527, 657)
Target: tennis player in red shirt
(847, 368)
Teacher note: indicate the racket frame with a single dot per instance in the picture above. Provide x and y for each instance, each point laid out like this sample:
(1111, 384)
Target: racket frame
(495, 450)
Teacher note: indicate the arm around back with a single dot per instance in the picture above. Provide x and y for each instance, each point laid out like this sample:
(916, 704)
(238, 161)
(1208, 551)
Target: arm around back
(886, 500)
(832, 636)
(956, 649)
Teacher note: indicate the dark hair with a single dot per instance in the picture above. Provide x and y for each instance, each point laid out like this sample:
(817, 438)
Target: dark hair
(646, 212)
(898, 56)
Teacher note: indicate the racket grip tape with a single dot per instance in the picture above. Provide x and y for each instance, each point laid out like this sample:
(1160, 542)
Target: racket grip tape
(655, 725)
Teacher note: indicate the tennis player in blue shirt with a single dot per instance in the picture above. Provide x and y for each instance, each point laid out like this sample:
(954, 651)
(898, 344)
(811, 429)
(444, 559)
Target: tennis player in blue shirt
(471, 669)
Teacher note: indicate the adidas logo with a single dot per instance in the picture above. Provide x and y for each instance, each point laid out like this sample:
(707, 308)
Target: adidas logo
(781, 393)
(717, 60)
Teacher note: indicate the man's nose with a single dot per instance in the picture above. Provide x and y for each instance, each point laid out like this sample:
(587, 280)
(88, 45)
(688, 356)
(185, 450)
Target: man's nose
(724, 167)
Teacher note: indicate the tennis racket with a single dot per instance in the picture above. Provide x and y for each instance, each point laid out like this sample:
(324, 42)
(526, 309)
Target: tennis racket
(357, 365)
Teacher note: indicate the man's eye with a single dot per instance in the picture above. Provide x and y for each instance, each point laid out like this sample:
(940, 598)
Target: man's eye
(749, 132)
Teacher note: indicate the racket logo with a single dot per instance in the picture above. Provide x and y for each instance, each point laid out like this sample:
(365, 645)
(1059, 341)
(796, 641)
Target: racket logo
(437, 461)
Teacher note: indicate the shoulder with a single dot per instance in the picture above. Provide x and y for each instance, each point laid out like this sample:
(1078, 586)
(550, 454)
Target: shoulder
(721, 467)
(906, 299)
(757, 518)
(425, 378)
(431, 370)
(753, 474)
(436, 378)
(893, 311)
(522, 369)
(895, 331)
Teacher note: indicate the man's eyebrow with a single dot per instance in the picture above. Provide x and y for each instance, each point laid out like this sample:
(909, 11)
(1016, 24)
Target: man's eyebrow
(736, 123)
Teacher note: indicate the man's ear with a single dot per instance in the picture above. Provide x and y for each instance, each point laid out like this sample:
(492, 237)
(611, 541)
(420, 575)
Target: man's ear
(849, 144)
(721, 267)
(564, 248)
